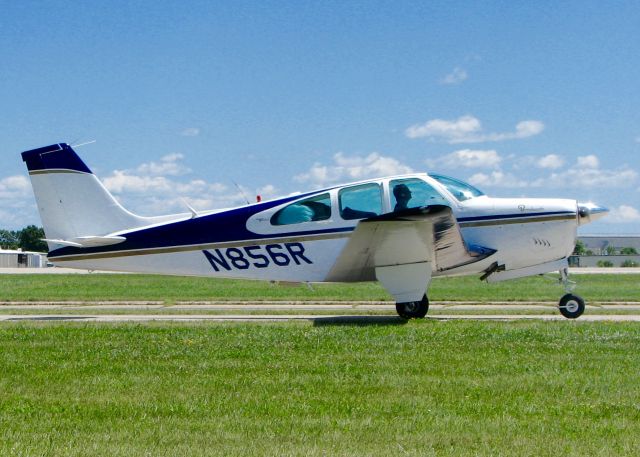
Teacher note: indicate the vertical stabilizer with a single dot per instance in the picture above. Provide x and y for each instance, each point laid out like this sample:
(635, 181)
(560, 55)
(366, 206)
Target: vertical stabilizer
(71, 200)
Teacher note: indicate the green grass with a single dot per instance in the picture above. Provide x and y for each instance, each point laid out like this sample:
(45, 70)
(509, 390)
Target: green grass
(594, 288)
(424, 388)
(88, 310)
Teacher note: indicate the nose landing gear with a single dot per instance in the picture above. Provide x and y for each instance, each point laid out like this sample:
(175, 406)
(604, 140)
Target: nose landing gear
(571, 306)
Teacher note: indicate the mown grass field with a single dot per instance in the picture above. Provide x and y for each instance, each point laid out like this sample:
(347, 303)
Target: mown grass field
(594, 288)
(376, 388)
(423, 388)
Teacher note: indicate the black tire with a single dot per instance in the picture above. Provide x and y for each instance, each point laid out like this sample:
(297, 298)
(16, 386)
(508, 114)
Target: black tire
(413, 309)
(571, 306)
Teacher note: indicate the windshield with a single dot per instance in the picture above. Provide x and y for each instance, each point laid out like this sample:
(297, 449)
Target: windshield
(460, 190)
(413, 193)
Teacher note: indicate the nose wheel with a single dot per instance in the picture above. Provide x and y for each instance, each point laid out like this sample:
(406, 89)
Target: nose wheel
(413, 309)
(571, 306)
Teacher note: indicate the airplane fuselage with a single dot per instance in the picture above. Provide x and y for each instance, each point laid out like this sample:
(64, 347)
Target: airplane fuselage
(244, 242)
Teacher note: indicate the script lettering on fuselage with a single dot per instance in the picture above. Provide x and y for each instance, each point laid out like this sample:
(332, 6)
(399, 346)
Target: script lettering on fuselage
(259, 256)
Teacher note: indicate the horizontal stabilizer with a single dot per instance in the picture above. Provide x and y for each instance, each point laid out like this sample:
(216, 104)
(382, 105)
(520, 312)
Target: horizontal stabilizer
(88, 241)
(63, 242)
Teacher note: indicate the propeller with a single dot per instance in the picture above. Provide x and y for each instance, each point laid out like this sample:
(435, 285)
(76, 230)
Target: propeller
(589, 212)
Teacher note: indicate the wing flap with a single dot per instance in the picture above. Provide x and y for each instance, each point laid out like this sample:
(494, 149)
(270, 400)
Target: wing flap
(428, 234)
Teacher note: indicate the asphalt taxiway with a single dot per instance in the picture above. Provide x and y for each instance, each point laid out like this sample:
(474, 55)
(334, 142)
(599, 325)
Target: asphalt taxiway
(318, 312)
(303, 317)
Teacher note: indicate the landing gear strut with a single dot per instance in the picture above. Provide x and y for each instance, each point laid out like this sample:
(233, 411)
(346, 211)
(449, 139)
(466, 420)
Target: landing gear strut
(413, 309)
(570, 306)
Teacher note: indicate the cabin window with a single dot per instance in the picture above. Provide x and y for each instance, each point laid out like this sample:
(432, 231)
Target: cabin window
(413, 193)
(359, 202)
(316, 208)
(460, 190)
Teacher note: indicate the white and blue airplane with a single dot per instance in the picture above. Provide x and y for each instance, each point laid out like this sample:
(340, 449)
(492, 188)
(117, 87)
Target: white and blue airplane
(399, 230)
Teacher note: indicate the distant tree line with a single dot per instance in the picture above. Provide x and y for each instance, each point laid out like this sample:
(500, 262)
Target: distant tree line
(27, 239)
(609, 250)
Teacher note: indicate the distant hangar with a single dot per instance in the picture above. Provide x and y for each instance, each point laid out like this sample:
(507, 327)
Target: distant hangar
(10, 258)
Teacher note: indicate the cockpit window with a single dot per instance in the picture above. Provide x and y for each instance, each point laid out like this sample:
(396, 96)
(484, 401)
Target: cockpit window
(359, 202)
(413, 193)
(316, 208)
(460, 190)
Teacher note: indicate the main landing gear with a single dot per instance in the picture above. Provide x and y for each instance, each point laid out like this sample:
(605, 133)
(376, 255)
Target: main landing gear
(413, 309)
(570, 306)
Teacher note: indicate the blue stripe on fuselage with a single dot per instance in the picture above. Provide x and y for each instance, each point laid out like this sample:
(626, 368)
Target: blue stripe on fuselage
(230, 226)
(221, 227)
(515, 216)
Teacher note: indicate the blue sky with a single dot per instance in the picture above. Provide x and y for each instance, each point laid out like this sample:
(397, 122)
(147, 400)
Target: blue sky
(184, 99)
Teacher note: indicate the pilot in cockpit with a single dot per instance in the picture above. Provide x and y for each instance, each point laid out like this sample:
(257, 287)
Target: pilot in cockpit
(402, 194)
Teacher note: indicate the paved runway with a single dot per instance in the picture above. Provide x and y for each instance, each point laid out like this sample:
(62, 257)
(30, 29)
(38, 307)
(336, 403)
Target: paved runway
(314, 311)
(308, 306)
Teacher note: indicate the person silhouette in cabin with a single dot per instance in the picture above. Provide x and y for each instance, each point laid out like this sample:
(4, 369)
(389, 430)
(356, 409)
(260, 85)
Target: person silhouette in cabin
(402, 194)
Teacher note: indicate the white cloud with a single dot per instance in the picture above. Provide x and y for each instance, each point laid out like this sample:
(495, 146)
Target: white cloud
(122, 181)
(497, 178)
(151, 177)
(218, 187)
(585, 174)
(468, 129)
(352, 168)
(190, 131)
(159, 187)
(448, 130)
(590, 161)
(267, 192)
(169, 165)
(467, 158)
(455, 77)
(624, 214)
(524, 129)
(13, 187)
(17, 206)
(585, 178)
(551, 161)
(155, 205)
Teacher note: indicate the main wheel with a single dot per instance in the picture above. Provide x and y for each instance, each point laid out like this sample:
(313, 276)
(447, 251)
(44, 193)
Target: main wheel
(571, 306)
(413, 309)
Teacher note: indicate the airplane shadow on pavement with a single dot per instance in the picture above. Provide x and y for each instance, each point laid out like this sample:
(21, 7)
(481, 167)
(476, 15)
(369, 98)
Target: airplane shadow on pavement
(358, 320)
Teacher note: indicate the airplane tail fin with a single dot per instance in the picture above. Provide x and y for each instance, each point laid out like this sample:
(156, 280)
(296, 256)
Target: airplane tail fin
(75, 207)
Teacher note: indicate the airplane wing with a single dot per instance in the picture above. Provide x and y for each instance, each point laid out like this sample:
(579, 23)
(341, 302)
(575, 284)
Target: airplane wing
(402, 249)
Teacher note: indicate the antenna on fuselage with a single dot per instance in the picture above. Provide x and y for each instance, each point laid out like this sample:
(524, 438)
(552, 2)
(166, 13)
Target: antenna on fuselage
(241, 192)
(194, 213)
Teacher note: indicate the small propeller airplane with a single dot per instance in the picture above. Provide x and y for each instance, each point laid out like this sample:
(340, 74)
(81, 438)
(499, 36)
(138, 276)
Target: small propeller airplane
(399, 230)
